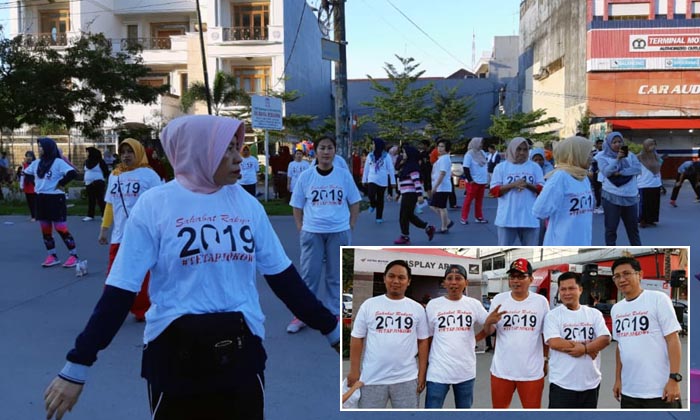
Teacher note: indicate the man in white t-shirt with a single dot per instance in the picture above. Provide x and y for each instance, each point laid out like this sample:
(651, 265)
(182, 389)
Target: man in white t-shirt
(648, 360)
(519, 359)
(395, 330)
(575, 335)
(451, 322)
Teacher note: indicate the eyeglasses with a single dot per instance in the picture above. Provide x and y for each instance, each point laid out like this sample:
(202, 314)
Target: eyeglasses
(625, 274)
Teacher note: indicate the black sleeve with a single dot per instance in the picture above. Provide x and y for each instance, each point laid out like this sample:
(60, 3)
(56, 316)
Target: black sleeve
(105, 169)
(467, 174)
(291, 289)
(106, 319)
(68, 177)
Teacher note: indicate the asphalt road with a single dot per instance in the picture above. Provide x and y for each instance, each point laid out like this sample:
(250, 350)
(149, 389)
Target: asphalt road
(42, 311)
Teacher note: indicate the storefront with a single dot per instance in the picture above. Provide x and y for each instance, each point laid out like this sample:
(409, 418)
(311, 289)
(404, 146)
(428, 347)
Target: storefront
(645, 82)
(428, 267)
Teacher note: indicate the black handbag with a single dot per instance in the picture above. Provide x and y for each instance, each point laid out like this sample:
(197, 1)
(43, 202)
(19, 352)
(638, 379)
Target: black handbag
(202, 353)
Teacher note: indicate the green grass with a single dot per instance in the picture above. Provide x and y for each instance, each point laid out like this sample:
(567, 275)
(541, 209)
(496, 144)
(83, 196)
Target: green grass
(79, 207)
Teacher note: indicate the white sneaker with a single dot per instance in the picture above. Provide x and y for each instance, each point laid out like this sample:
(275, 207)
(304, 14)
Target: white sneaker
(87, 219)
(598, 210)
(295, 326)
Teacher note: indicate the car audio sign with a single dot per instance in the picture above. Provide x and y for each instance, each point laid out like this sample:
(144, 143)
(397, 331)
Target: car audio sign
(664, 43)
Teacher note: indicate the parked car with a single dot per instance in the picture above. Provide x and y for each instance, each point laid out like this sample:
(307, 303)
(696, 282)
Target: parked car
(680, 303)
(347, 304)
(457, 169)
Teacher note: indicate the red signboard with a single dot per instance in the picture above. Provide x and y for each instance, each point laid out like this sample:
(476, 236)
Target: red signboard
(643, 43)
(644, 94)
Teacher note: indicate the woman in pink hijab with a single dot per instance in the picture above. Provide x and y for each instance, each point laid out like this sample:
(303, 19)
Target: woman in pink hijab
(203, 238)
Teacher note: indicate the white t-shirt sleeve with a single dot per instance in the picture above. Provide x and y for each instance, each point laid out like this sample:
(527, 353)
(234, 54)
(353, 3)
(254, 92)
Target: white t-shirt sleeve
(270, 256)
(359, 327)
(666, 315)
(550, 329)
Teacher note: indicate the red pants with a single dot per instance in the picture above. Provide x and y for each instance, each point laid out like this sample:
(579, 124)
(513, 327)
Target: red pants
(142, 302)
(474, 192)
(530, 392)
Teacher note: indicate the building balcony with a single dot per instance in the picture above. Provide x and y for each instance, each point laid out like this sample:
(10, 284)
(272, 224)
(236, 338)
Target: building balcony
(244, 34)
(56, 39)
(147, 43)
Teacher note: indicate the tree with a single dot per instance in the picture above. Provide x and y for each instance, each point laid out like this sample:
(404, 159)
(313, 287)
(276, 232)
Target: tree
(521, 124)
(451, 115)
(398, 108)
(224, 93)
(583, 126)
(82, 86)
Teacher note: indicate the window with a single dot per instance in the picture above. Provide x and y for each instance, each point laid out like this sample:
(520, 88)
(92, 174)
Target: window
(161, 33)
(629, 11)
(54, 26)
(250, 21)
(499, 262)
(486, 265)
(254, 80)
(154, 80)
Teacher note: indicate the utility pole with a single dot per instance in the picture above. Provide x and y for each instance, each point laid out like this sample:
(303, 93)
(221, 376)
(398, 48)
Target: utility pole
(204, 58)
(342, 119)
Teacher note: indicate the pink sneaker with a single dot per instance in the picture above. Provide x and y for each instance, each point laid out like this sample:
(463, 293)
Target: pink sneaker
(71, 262)
(402, 240)
(295, 326)
(50, 261)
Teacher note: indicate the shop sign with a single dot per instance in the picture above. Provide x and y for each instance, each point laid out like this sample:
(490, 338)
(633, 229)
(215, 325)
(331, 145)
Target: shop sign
(628, 63)
(682, 63)
(664, 43)
(669, 90)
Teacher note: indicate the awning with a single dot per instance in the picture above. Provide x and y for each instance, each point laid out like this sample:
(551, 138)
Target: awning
(653, 123)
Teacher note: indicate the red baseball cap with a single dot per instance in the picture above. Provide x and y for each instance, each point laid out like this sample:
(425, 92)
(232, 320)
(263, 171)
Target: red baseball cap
(521, 265)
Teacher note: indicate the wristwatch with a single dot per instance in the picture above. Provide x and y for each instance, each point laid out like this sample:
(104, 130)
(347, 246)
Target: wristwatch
(676, 377)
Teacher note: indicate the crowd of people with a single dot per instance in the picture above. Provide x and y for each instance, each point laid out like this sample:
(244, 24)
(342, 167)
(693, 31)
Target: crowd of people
(398, 348)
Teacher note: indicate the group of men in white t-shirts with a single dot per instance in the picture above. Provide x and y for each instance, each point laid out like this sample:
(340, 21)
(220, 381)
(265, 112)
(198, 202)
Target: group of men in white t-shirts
(399, 348)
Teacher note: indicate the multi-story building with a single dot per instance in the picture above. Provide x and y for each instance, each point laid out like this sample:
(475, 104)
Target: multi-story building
(266, 44)
(633, 64)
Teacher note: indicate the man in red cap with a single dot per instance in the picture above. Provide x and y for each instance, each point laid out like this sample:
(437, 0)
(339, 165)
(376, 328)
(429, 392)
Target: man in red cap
(519, 361)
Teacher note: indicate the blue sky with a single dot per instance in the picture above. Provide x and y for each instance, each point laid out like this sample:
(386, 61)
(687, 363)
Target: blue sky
(375, 31)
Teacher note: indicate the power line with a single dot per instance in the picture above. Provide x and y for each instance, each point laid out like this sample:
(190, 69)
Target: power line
(387, 22)
(427, 35)
(294, 43)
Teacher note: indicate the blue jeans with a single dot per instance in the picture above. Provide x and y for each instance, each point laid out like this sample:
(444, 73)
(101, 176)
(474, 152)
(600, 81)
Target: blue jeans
(435, 394)
(613, 214)
(508, 236)
(320, 265)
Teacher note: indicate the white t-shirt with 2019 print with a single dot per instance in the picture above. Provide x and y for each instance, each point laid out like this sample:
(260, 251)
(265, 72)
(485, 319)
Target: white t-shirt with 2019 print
(203, 251)
(391, 329)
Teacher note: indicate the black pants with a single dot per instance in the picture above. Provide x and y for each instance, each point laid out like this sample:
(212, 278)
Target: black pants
(407, 213)
(245, 402)
(693, 184)
(635, 403)
(597, 189)
(31, 203)
(650, 199)
(565, 398)
(250, 188)
(96, 195)
(376, 198)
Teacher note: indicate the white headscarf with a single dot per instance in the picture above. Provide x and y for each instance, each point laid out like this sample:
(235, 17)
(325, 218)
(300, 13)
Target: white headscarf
(475, 149)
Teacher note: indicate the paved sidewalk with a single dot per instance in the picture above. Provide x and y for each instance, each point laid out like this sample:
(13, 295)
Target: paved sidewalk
(42, 310)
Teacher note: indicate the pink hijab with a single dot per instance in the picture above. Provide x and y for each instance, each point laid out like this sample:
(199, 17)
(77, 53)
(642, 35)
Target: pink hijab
(195, 145)
(512, 147)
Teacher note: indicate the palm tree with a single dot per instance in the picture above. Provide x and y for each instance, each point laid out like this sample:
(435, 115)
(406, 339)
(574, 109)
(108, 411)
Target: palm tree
(225, 92)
